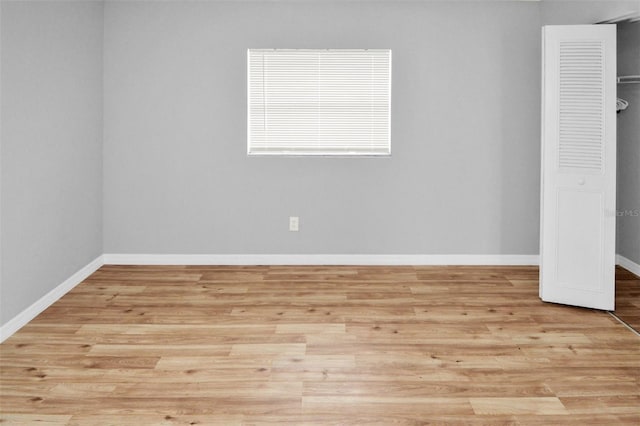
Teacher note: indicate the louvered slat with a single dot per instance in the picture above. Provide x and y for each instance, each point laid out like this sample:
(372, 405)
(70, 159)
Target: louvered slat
(581, 128)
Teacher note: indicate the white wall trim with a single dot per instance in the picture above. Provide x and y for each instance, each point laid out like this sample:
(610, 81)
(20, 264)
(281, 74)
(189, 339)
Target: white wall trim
(317, 259)
(628, 264)
(48, 299)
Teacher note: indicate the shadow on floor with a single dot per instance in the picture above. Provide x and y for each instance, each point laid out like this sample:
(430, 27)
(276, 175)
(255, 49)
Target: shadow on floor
(628, 298)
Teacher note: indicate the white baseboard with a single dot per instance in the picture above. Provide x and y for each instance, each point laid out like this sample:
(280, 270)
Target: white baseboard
(628, 264)
(48, 299)
(317, 259)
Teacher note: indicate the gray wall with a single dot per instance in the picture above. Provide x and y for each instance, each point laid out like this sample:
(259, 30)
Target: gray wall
(463, 177)
(51, 182)
(628, 200)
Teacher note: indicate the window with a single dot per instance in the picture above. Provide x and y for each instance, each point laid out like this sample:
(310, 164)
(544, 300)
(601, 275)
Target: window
(319, 102)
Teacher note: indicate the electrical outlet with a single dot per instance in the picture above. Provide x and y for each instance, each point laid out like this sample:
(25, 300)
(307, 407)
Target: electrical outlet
(294, 223)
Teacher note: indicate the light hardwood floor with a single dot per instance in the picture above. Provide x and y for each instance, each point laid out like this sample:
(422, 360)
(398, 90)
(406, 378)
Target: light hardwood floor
(318, 345)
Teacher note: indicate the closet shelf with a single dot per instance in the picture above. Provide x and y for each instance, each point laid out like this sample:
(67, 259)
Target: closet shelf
(625, 79)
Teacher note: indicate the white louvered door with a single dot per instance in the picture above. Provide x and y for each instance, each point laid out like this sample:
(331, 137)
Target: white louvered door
(577, 253)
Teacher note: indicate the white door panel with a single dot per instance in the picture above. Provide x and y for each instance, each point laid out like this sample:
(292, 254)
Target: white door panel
(578, 166)
(579, 265)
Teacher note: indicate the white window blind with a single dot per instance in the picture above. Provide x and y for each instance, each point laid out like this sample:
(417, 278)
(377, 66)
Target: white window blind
(319, 102)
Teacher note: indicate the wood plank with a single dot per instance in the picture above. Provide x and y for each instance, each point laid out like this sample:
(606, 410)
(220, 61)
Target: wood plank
(521, 405)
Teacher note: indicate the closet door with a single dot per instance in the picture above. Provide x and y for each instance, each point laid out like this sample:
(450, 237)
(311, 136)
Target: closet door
(577, 253)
